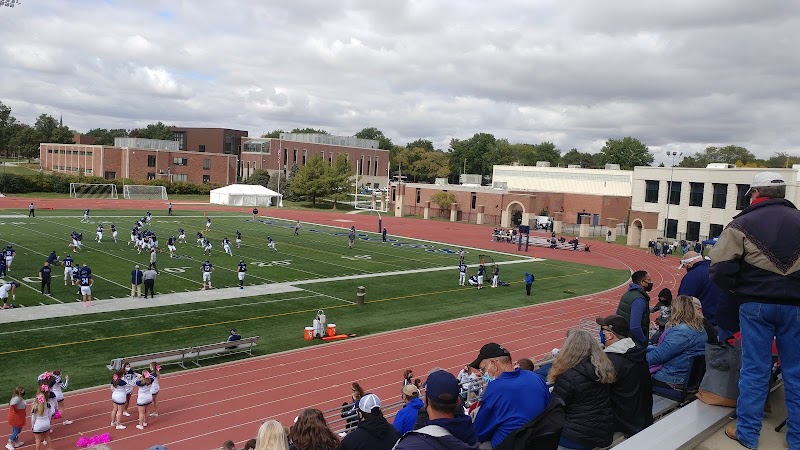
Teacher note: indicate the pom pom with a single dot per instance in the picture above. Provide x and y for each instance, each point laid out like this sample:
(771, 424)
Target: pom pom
(57, 415)
(115, 377)
(94, 440)
(82, 442)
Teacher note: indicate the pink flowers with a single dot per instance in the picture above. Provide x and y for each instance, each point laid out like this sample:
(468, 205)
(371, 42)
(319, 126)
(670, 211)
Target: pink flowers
(94, 440)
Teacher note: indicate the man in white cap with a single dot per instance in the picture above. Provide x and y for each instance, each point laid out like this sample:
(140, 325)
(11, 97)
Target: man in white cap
(756, 258)
(697, 283)
(373, 432)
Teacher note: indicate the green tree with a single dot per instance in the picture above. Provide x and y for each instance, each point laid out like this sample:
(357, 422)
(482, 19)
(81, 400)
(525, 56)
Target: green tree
(259, 177)
(547, 151)
(311, 180)
(782, 159)
(24, 141)
(106, 137)
(478, 153)
(376, 134)
(157, 130)
(628, 152)
(274, 134)
(728, 154)
(49, 130)
(574, 157)
(308, 130)
(340, 178)
(421, 143)
(7, 129)
(432, 165)
(443, 199)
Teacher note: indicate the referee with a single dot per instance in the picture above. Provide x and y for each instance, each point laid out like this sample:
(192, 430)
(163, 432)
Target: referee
(149, 277)
(44, 274)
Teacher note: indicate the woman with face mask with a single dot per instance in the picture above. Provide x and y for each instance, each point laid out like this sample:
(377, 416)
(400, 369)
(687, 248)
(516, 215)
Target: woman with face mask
(130, 381)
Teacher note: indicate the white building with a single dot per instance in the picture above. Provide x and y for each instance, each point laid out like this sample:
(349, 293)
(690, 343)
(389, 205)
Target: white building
(564, 180)
(701, 201)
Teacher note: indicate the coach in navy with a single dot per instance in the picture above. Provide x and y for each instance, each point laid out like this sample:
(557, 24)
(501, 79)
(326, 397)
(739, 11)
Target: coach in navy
(136, 282)
(45, 274)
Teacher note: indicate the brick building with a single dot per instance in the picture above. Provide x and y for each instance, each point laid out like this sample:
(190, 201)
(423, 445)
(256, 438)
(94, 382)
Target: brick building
(139, 159)
(370, 163)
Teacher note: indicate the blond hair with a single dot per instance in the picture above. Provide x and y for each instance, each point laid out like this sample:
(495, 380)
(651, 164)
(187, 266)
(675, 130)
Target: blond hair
(271, 436)
(580, 346)
(684, 311)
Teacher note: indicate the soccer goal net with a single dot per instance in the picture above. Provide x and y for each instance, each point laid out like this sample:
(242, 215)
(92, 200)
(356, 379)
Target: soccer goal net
(376, 201)
(144, 192)
(89, 190)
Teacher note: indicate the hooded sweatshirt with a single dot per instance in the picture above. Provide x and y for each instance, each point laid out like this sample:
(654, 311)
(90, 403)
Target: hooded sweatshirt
(405, 418)
(373, 433)
(631, 398)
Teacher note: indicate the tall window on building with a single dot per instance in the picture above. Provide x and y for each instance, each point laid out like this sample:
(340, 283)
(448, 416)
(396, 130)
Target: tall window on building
(361, 165)
(720, 195)
(295, 156)
(369, 165)
(206, 179)
(375, 172)
(228, 149)
(696, 194)
(151, 160)
(715, 230)
(651, 191)
(674, 192)
(692, 231)
(201, 148)
(474, 200)
(330, 158)
(207, 164)
(305, 155)
(180, 136)
(742, 200)
(672, 228)
(418, 195)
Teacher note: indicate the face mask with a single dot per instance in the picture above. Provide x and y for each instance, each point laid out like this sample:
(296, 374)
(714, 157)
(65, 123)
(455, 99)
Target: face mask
(649, 287)
(127, 367)
(488, 379)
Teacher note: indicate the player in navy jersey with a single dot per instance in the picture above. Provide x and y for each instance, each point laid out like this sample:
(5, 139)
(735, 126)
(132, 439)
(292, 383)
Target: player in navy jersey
(271, 243)
(481, 271)
(462, 274)
(226, 245)
(255, 213)
(79, 238)
(171, 246)
(68, 263)
(181, 236)
(240, 273)
(99, 233)
(208, 224)
(207, 268)
(85, 281)
(200, 239)
(238, 239)
(495, 275)
(134, 232)
(149, 217)
(297, 228)
(114, 232)
(85, 216)
(8, 255)
(207, 247)
(351, 237)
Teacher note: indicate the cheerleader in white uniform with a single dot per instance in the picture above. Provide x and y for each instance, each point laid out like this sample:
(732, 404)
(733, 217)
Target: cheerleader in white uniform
(40, 420)
(130, 379)
(57, 388)
(144, 397)
(155, 387)
(118, 398)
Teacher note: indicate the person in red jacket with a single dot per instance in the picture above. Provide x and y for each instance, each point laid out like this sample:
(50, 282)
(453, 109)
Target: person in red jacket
(16, 417)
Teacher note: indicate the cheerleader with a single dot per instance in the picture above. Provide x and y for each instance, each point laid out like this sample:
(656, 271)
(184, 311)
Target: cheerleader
(118, 397)
(57, 388)
(40, 420)
(155, 387)
(130, 379)
(144, 397)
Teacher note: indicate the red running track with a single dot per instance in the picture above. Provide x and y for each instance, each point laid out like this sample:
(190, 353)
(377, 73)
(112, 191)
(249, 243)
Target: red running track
(201, 408)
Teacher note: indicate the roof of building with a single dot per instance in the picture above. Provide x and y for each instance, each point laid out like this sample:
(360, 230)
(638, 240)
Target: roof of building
(565, 180)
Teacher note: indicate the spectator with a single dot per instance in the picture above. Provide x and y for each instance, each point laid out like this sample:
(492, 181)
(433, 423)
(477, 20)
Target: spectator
(631, 398)
(511, 398)
(634, 306)
(583, 375)
(271, 436)
(373, 432)
(528, 283)
(251, 444)
(711, 331)
(469, 384)
(233, 337)
(136, 282)
(350, 409)
(311, 432)
(149, 277)
(663, 308)
(408, 377)
(697, 283)
(525, 364)
(407, 415)
(683, 338)
(446, 428)
(228, 445)
(756, 259)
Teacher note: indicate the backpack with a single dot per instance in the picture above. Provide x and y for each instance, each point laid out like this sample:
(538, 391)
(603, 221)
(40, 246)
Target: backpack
(541, 433)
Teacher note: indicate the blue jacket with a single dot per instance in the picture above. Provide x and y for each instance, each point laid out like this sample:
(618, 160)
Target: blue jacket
(697, 283)
(508, 403)
(680, 343)
(136, 276)
(528, 278)
(407, 416)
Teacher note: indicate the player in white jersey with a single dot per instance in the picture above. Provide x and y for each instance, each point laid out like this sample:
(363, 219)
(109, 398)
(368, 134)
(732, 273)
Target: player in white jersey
(226, 245)
(85, 216)
(207, 268)
(462, 274)
(208, 224)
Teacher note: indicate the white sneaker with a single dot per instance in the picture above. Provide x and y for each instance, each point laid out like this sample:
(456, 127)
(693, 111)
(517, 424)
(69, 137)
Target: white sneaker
(10, 445)
(20, 444)
(121, 427)
(140, 427)
(67, 422)
(113, 424)
(153, 414)
(126, 413)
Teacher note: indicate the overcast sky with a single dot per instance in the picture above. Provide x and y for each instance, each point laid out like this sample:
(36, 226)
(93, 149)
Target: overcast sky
(683, 74)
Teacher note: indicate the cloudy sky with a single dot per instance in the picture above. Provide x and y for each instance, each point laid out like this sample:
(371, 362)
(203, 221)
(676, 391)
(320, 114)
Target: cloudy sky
(677, 75)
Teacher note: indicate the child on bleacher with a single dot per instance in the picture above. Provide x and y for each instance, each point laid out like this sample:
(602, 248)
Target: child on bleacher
(664, 306)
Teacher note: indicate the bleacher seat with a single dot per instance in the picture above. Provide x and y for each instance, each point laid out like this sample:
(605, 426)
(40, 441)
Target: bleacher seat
(686, 392)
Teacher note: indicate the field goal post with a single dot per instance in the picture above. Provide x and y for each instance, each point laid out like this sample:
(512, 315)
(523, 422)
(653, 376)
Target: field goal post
(93, 190)
(144, 192)
(376, 201)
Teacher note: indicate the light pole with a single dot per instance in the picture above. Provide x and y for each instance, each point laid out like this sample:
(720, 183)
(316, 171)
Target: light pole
(673, 155)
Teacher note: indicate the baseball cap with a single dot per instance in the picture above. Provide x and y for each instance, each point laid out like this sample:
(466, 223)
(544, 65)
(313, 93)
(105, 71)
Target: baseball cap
(442, 387)
(158, 447)
(617, 324)
(368, 402)
(410, 390)
(490, 350)
(233, 330)
(766, 179)
(687, 261)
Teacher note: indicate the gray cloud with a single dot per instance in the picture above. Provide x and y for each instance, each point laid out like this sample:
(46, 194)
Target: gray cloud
(681, 75)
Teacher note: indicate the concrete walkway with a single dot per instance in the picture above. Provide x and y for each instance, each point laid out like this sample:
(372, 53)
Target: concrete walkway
(182, 298)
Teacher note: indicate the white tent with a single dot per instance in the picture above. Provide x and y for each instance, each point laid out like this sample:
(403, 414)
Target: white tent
(246, 195)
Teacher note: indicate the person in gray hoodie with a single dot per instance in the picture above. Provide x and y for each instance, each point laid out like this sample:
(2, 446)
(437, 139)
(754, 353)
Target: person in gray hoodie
(444, 430)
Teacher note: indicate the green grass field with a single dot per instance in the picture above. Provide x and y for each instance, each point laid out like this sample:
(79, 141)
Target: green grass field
(83, 345)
